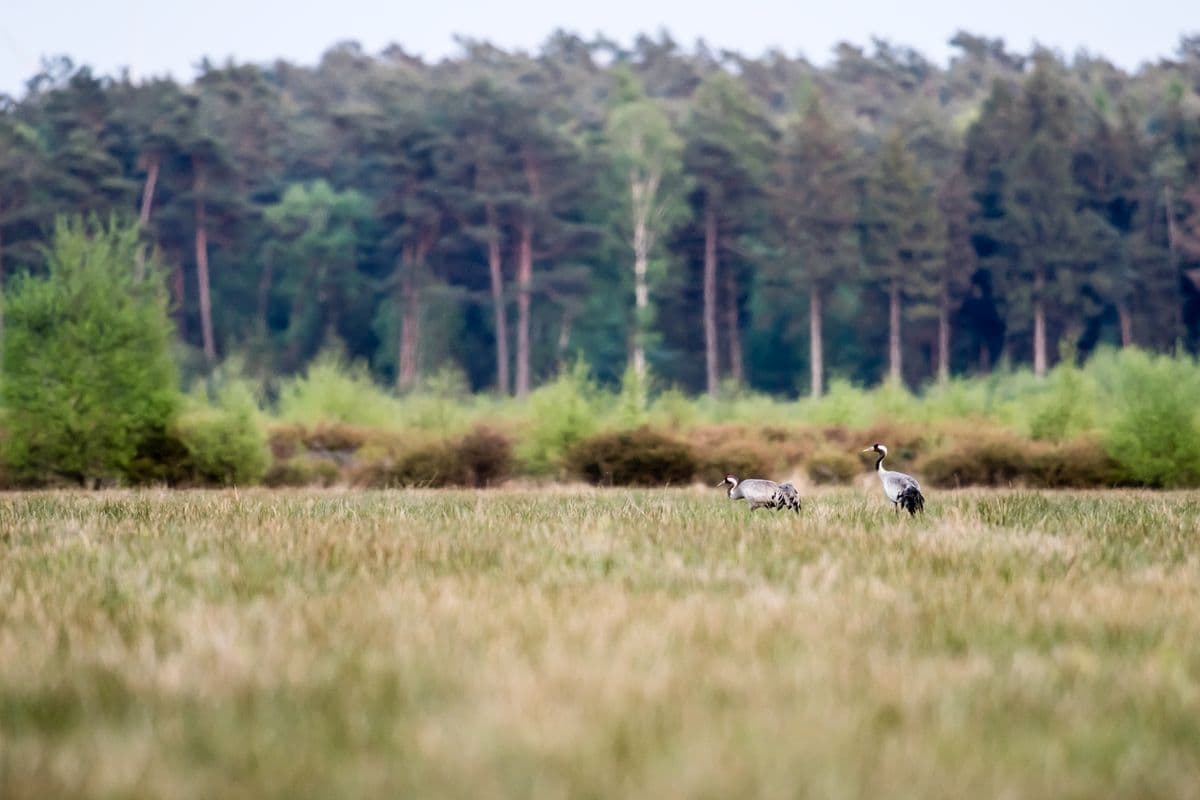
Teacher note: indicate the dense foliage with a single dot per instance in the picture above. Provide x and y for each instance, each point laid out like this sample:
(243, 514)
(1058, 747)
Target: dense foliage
(711, 217)
(88, 379)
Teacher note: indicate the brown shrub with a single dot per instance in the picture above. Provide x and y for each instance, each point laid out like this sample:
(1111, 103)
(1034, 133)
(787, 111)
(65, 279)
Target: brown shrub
(335, 437)
(486, 457)
(991, 460)
(639, 457)
(285, 439)
(1002, 459)
(904, 443)
(833, 466)
(1078, 464)
(302, 471)
(434, 465)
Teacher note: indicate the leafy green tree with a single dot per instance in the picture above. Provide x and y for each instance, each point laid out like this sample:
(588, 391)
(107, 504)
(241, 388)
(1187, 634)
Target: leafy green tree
(87, 372)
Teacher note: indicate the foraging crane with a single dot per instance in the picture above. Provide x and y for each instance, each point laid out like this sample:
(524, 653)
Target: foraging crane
(903, 490)
(761, 493)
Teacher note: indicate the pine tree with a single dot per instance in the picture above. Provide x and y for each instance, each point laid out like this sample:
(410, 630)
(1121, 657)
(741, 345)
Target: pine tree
(813, 211)
(905, 237)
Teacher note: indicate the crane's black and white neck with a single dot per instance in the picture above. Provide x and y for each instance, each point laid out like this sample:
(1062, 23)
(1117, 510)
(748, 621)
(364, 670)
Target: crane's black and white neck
(901, 489)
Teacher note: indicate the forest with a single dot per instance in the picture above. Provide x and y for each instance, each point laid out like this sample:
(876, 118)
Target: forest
(701, 216)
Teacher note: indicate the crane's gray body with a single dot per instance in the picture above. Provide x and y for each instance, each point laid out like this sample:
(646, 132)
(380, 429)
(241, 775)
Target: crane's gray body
(902, 490)
(894, 483)
(761, 493)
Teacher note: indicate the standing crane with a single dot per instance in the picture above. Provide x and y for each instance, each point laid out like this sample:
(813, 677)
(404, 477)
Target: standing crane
(903, 490)
(762, 493)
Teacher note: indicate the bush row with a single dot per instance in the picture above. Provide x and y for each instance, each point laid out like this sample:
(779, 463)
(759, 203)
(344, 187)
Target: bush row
(227, 445)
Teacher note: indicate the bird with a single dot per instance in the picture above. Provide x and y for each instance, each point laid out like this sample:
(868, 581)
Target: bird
(903, 490)
(762, 493)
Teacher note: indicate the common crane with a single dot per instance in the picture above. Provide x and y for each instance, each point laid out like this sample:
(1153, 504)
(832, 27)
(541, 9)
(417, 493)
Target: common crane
(903, 490)
(761, 493)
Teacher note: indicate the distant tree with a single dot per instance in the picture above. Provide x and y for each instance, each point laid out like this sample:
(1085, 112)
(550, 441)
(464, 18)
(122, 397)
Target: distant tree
(1042, 200)
(905, 236)
(646, 152)
(20, 196)
(87, 372)
(314, 253)
(728, 146)
(814, 213)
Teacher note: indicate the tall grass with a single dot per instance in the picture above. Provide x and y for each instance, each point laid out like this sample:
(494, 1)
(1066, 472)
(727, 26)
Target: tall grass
(597, 644)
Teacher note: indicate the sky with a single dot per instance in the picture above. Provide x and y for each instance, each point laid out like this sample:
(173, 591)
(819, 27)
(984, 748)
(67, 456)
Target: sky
(161, 37)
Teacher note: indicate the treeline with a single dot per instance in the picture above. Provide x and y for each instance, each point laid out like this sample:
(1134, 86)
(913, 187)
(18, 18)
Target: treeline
(703, 215)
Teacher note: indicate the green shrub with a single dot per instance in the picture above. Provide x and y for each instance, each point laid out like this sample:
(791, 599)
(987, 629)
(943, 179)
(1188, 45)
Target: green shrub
(161, 458)
(332, 391)
(1153, 429)
(833, 466)
(562, 412)
(226, 443)
(1063, 409)
(87, 373)
(639, 457)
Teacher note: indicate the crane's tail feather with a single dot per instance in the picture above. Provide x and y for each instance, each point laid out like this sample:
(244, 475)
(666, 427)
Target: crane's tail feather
(787, 497)
(911, 500)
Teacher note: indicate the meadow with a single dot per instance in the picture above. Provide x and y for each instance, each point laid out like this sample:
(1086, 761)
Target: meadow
(573, 642)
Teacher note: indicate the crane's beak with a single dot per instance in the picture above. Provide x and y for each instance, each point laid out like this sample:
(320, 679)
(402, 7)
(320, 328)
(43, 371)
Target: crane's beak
(719, 485)
(868, 449)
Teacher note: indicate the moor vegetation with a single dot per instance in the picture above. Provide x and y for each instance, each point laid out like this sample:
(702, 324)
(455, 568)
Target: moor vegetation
(623, 643)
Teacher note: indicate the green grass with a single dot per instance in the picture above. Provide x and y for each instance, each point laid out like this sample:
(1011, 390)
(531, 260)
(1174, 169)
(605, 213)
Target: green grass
(575, 643)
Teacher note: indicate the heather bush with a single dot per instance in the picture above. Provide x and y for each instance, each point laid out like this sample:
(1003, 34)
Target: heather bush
(639, 457)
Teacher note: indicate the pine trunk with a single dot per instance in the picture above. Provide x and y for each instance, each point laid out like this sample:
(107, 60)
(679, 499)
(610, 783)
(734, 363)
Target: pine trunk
(179, 294)
(1173, 261)
(710, 300)
(1039, 323)
(144, 213)
(412, 263)
(733, 334)
(815, 345)
(641, 292)
(524, 282)
(202, 281)
(264, 291)
(943, 337)
(410, 309)
(148, 191)
(895, 372)
(1126, 322)
(499, 308)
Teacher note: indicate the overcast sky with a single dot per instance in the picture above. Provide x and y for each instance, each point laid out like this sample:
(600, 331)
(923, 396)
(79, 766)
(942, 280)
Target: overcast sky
(171, 36)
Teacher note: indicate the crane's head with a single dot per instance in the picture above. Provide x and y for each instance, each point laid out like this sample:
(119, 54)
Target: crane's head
(730, 480)
(876, 448)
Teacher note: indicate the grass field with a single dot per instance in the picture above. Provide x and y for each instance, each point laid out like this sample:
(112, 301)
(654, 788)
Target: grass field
(577, 643)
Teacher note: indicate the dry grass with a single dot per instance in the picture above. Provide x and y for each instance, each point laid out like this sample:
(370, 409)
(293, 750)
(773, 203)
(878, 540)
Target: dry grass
(576, 643)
